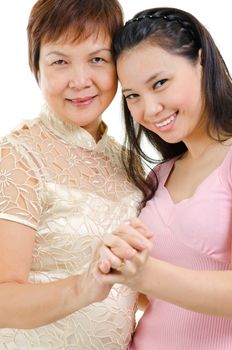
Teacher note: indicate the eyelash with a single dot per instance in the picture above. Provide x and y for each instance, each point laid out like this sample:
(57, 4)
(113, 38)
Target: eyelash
(59, 62)
(131, 96)
(162, 82)
(97, 60)
(154, 86)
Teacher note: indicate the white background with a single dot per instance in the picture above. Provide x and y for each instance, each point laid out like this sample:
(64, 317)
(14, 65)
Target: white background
(20, 95)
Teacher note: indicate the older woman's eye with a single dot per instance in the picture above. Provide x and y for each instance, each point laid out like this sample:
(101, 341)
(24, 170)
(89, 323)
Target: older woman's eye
(98, 60)
(59, 62)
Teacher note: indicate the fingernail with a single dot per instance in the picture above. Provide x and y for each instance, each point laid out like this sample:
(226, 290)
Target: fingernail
(142, 244)
(130, 252)
(127, 222)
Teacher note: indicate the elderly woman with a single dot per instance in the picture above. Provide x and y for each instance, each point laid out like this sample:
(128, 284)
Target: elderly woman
(63, 187)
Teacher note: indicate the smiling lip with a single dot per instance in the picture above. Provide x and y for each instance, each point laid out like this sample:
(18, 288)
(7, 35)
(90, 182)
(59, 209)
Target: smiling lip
(166, 122)
(82, 101)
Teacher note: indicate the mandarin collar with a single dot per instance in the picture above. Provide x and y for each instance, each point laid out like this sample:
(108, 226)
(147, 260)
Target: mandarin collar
(73, 134)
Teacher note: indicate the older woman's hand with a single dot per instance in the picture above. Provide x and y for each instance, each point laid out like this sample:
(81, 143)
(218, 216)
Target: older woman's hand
(125, 253)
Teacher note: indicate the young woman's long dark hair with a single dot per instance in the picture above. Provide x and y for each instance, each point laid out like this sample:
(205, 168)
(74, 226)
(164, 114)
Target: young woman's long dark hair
(178, 32)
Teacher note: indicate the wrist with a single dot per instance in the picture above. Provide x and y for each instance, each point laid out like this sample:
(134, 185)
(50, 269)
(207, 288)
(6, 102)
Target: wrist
(146, 279)
(75, 295)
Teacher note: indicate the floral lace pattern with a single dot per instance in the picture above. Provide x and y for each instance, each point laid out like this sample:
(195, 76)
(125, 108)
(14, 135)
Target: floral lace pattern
(57, 180)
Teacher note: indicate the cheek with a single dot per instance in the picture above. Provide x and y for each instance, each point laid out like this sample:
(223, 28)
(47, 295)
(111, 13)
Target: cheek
(52, 84)
(190, 98)
(178, 98)
(109, 81)
(135, 111)
(186, 102)
(51, 81)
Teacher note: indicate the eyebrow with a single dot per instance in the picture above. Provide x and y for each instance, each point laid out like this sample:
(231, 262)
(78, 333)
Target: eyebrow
(58, 53)
(154, 76)
(99, 50)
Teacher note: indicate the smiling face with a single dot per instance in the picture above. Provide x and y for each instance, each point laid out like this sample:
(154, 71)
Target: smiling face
(162, 91)
(78, 80)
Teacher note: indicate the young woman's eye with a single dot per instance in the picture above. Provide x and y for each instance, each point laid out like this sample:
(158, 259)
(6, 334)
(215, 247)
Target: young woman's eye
(59, 63)
(131, 96)
(98, 60)
(159, 83)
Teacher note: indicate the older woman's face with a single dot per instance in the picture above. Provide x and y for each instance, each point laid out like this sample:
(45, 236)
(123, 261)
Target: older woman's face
(78, 80)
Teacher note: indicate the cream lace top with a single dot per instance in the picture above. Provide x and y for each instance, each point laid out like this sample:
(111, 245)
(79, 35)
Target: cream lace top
(57, 180)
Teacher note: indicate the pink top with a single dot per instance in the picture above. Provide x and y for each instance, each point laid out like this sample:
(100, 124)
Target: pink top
(196, 234)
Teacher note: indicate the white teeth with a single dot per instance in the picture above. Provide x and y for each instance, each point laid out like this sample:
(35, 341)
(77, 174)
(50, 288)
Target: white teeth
(166, 122)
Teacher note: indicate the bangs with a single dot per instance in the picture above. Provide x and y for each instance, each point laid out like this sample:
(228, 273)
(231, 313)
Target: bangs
(78, 32)
(76, 25)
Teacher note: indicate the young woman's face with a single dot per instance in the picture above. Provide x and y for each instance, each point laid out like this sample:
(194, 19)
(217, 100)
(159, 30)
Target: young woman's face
(162, 91)
(78, 80)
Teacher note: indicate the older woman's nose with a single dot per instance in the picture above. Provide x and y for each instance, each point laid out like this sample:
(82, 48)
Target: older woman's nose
(80, 78)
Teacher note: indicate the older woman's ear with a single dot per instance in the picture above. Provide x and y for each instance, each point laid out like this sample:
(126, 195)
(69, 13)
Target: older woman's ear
(38, 77)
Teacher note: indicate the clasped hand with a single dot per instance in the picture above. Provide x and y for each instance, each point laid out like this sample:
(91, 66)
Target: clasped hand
(124, 254)
(130, 244)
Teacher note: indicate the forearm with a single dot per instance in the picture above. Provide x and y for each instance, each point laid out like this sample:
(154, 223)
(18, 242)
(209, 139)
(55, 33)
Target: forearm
(207, 292)
(34, 305)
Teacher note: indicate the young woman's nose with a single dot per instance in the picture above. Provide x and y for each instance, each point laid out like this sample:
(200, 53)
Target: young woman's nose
(152, 107)
(80, 77)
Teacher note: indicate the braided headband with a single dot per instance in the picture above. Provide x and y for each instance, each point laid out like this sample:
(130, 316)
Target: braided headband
(169, 18)
(151, 16)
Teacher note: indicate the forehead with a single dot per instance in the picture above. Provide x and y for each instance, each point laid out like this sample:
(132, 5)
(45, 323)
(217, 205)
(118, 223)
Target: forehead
(145, 57)
(149, 53)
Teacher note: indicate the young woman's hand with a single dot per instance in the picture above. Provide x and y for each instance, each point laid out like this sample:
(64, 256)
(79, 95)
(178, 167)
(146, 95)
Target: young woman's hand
(124, 254)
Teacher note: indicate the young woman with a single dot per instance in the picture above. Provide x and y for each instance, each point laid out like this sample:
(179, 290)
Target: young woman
(181, 99)
(62, 187)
